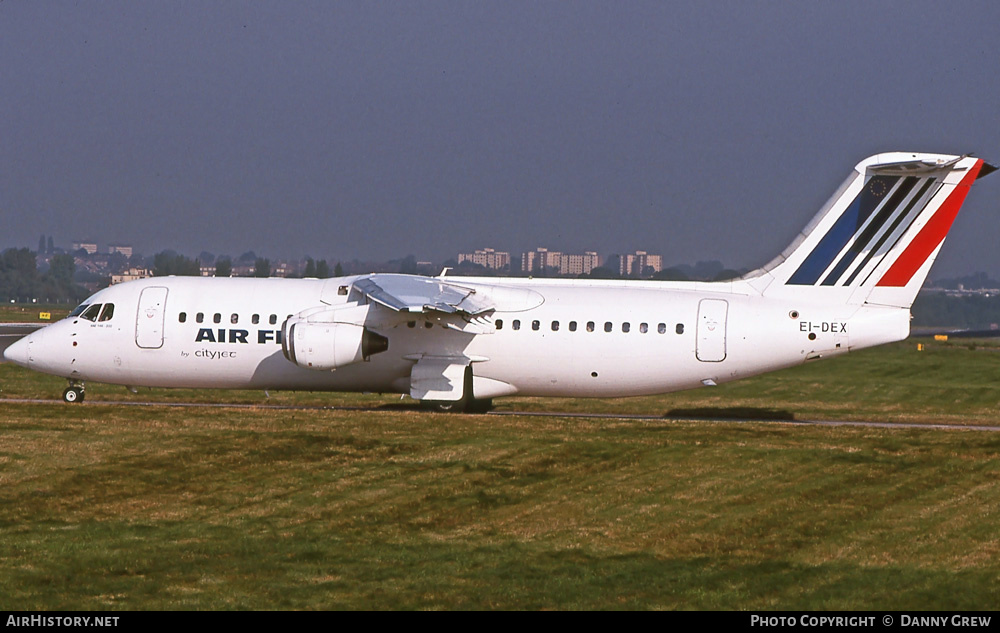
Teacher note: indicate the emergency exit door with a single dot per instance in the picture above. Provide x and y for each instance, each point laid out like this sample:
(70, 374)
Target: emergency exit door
(149, 318)
(711, 345)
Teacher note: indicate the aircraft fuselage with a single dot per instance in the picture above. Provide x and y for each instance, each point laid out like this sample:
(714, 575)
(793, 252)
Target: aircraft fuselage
(553, 338)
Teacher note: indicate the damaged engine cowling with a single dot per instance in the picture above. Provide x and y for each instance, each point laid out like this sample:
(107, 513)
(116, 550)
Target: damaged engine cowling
(330, 338)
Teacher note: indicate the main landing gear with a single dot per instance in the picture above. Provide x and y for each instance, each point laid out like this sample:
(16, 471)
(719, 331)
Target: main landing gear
(467, 404)
(74, 393)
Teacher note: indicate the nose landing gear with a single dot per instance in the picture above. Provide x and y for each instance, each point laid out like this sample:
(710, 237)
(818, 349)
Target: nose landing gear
(74, 393)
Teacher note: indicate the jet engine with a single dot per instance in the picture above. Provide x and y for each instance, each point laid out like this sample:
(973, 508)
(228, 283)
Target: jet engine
(314, 343)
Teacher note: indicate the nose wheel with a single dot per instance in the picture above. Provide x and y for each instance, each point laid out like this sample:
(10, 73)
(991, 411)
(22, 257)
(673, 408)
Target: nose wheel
(74, 393)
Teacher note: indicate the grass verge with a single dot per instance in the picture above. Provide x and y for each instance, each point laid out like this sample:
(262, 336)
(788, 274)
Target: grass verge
(153, 508)
(112, 507)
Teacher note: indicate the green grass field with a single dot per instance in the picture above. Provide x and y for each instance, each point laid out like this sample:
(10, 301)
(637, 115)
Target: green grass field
(25, 313)
(118, 507)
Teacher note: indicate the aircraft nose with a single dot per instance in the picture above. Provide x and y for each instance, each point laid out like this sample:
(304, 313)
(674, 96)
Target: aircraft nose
(17, 352)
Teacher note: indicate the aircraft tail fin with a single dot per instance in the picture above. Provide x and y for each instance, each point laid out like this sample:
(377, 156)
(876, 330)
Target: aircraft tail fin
(874, 241)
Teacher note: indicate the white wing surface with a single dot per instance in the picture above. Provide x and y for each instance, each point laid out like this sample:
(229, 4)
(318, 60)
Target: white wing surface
(406, 293)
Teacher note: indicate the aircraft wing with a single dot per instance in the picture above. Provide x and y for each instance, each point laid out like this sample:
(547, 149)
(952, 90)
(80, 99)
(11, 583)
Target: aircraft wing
(408, 293)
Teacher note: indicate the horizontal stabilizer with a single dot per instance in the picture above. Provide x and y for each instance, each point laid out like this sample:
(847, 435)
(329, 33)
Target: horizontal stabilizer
(913, 167)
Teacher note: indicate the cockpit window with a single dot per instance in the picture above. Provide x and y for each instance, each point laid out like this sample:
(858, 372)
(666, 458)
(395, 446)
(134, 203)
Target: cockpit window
(79, 309)
(91, 313)
(107, 312)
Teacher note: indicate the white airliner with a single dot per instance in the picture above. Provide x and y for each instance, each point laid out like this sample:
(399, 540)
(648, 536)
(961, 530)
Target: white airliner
(846, 283)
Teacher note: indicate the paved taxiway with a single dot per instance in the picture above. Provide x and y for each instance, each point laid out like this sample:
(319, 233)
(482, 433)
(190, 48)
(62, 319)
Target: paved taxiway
(548, 414)
(10, 332)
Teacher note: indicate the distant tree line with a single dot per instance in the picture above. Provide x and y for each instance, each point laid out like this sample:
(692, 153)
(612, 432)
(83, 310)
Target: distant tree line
(171, 263)
(972, 312)
(321, 270)
(975, 281)
(21, 281)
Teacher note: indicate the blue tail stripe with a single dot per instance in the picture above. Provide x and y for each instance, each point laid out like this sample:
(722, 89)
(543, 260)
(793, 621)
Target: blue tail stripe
(869, 233)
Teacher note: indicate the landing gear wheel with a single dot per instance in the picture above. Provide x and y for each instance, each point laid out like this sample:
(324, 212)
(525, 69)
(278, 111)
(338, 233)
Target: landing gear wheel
(73, 395)
(445, 406)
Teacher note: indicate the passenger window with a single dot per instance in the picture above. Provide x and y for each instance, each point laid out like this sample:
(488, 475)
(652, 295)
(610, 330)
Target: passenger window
(92, 312)
(515, 324)
(535, 324)
(273, 319)
(255, 319)
(626, 327)
(661, 328)
(411, 324)
(607, 326)
(217, 318)
(200, 317)
(590, 326)
(643, 328)
(680, 328)
(234, 319)
(182, 317)
(499, 324)
(107, 312)
(555, 326)
(572, 326)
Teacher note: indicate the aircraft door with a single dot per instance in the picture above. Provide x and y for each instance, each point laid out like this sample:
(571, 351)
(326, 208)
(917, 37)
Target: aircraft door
(711, 345)
(149, 318)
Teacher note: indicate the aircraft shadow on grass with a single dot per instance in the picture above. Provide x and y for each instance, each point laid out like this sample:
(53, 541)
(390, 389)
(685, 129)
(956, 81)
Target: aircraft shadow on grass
(697, 413)
(731, 413)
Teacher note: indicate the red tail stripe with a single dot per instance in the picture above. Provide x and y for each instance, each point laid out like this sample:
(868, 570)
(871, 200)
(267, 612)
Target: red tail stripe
(931, 236)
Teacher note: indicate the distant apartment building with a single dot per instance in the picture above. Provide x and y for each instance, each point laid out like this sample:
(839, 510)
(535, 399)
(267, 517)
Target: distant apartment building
(120, 248)
(90, 247)
(552, 262)
(488, 258)
(639, 264)
(578, 264)
(540, 260)
(283, 269)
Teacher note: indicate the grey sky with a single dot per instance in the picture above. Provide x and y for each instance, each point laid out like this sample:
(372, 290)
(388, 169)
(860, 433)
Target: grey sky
(708, 130)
